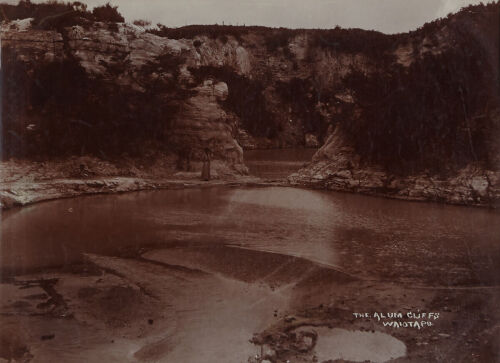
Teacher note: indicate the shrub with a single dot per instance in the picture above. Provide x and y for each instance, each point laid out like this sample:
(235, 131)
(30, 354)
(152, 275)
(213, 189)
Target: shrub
(57, 14)
(278, 39)
(24, 9)
(211, 31)
(371, 43)
(108, 13)
(142, 22)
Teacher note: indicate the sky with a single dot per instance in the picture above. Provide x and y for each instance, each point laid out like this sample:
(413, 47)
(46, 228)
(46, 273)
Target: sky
(388, 16)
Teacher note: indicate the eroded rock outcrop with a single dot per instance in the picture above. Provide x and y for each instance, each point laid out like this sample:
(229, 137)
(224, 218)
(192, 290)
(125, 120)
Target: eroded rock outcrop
(203, 125)
(121, 56)
(336, 166)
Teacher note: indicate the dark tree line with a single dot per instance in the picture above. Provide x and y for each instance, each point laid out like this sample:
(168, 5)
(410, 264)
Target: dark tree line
(303, 97)
(440, 111)
(56, 109)
(58, 14)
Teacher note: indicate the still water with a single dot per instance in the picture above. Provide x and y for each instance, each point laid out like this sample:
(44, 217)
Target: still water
(371, 238)
(357, 346)
(277, 164)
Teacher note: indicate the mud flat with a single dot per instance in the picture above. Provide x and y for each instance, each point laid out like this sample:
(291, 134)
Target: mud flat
(144, 308)
(248, 275)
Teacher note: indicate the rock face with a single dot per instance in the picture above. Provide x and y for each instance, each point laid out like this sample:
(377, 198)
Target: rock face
(337, 167)
(34, 45)
(203, 124)
(120, 52)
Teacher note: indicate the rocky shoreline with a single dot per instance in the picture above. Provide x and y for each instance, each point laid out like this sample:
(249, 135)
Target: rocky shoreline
(336, 166)
(21, 193)
(25, 182)
(481, 189)
(471, 187)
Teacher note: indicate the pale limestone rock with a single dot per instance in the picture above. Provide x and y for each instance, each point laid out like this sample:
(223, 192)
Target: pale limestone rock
(311, 141)
(480, 185)
(298, 46)
(202, 123)
(231, 53)
(243, 60)
(346, 174)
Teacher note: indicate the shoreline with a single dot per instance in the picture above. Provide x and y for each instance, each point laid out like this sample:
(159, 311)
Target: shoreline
(467, 188)
(396, 197)
(19, 194)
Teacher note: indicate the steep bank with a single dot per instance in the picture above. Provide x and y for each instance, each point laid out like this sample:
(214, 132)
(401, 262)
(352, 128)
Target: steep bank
(336, 166)
(428, 128)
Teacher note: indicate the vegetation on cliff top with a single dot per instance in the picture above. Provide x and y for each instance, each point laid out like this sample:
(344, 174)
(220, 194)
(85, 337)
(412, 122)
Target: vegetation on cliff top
(56, 14)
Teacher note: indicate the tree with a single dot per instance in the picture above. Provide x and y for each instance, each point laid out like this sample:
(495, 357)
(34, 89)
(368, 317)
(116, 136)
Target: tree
(108, 13)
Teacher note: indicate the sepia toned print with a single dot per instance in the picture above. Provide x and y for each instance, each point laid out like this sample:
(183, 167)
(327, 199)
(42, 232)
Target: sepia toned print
(264, 183)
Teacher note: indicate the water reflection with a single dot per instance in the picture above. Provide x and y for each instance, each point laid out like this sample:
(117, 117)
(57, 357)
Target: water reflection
(277, 164)
(357, 346)
(369, 237)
